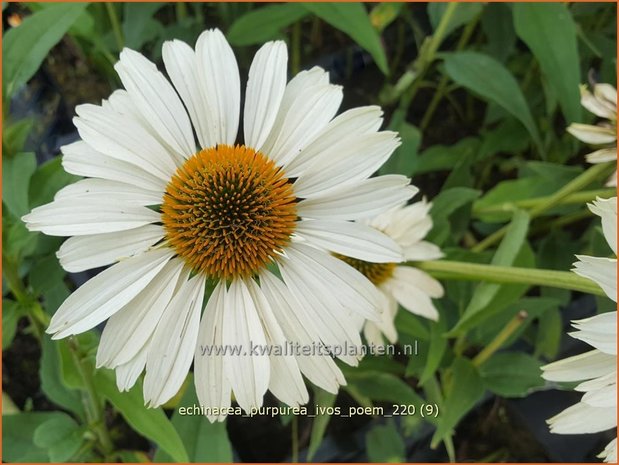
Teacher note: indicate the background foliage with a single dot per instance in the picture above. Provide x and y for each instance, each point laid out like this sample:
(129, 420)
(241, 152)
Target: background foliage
(480, 94)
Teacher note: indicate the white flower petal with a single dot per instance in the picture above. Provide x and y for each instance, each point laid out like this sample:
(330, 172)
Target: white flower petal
(385, 325)
(422, 251)
(81, 159)
(128, 330)
(594, 135)
(285, 382)
(248, 373)
(579, 367)
(120, 137)
(607, 210)
(602, 155)
(212, 385)
(173, 344)
(128, 373)
(265, 89)
(346, 163)
(156, 100)
(218, 75)
(597, 106)
(601, 270)
(105, 294)
(79, 216)
(582, 418)
(362, 200)
(112, 191)
(345, 127)
(351, 239)
(410, 296)
(299, 329)
(79, 253)
(606, 93)
(609, 454)
(421, 280)
(298, 124)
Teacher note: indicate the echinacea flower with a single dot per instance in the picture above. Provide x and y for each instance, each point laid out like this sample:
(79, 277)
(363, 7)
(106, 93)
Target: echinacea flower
(602, 103)
(413, 289)
(596, 369)
(253, 219)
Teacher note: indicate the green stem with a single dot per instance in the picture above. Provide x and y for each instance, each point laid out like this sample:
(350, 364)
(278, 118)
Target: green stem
(94, 411)
(583, 180)
(500, 338)
(118, 35)
(526, 204)
(446, 269)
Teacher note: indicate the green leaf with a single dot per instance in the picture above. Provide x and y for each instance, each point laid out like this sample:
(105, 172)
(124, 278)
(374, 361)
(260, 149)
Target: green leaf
(383, 14)
(353, 19)
(444, 157)
(47, 180)
(25, 47)
(549, 31)
(52, 383)
(14, 136)
(265, 23)
(150, 423)
(61, 436)
(385, 445)
(498, 27)
(382, 387)
(18, 436)
(511, 374)
(466, 389)
(489, 79)
(10, 316)
(438, 345)
(549, 333)
(505, 255)
(16, 173)
(325, 400)
(464, 13)
(136, 18)
(17, 241)
(404, 159)
(204, 441)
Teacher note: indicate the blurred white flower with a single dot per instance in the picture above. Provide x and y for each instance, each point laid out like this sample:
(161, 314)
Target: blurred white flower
(401, 284)
(225, 213)
(596, 369)
(602, 103)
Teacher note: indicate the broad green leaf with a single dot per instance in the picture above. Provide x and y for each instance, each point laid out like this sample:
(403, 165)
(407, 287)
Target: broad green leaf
(411, 325)
(381, 387)
(438, 345)
(46, 274)
(136, 17)
(52, 383)
(60, 436)
(549, 31)
(463, 13)
(383, 14)
(447, 224)
(498, 26)
(10, 316)
(489, 79)
(404, 158)
(14, 136)
(549, 334)
(264, 23)
(17, 241)
(204, 441)
(445, 157)
(325, 400)
(505, 255)
(511, 374)
(466, 388)
(16, 173)
(18, 436)
(47, 180)
(150, 423)
(353, 19)
(385, 445)
(25, 47)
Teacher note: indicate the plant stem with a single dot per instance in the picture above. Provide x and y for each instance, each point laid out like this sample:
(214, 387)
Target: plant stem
(446, 269)
(118, 35)
(500, 338)
(575, 198)
(575, 185)
(94, 411)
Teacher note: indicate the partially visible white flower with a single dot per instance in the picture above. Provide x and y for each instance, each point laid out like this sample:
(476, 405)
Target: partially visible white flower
(602, 103)
(406, 285)
(596, 369)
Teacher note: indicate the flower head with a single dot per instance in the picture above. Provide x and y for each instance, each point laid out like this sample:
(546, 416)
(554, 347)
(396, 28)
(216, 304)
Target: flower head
(602, 103)
(401, 284)
(596, 369)
(254, 218)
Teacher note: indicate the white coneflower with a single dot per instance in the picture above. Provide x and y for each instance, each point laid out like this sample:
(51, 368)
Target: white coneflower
(401, 284)
(602, 103)
(246, 217)
(596, 369)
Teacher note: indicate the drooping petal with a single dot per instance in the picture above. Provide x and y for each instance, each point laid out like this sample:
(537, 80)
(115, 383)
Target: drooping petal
(583, 366)
(607, 210)
(601, 270)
